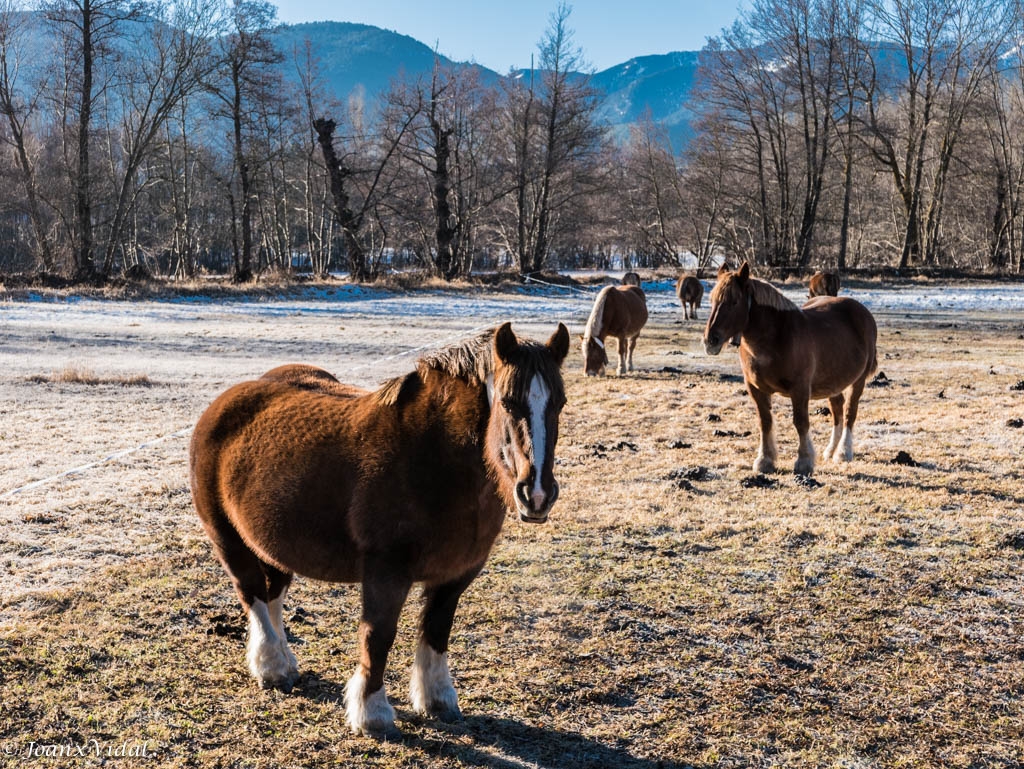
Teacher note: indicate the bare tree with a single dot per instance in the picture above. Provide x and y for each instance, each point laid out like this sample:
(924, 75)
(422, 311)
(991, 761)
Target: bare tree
(552, 142)
(245, 75)
(360, 180)
(90, 29)
(443, 149)
(19, 102)
(947, 47)
(168, 59)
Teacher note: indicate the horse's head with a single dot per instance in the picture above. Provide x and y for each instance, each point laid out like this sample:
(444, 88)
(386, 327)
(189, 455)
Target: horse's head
(527, 397)
(730, 308)
(595, 356)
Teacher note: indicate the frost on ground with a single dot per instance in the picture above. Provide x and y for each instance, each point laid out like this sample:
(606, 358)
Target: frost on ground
(182, 354)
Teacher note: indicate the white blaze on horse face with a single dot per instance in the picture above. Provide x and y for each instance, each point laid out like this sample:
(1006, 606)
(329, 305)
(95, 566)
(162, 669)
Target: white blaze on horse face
(538, 402)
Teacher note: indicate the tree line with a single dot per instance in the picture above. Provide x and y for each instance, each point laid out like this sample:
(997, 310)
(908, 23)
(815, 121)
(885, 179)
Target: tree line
(173, 137)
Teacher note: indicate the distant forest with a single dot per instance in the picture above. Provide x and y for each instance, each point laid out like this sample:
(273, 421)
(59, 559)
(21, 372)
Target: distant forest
(148, 138)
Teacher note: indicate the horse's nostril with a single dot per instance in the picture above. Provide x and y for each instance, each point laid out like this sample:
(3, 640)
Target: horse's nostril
(523, 493)
(554, 493)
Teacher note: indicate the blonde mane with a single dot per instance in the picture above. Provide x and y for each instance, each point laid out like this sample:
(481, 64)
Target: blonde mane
(762, 293)
(596, 319)
(766, 295)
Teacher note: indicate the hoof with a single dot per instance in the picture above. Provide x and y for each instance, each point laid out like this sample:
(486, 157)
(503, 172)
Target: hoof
(803, 467)
(283, 683)
(447, 714)
(764, 466)
(388, 733)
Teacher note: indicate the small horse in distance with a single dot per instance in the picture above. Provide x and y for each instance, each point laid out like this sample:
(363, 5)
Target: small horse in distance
(631, 279)
(823, 284)
(802, 353)
(621, 312)
(690, 291)
(297, 473)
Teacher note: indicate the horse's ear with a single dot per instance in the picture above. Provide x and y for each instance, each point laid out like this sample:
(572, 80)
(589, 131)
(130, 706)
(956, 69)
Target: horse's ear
(723, 270)
(744, 271)
(559, 343)
(505, 343)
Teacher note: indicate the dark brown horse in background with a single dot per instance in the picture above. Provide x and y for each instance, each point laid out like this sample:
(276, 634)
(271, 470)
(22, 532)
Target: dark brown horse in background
(823, 284)
(296, 473)
(621, 312)
(803, 353)
(690, 291)
(631, 279)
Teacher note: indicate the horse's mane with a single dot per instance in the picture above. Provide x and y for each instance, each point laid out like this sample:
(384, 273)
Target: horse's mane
(762, 293)
(473, 362)
(469, 360)
(766, 295)
(596, 319)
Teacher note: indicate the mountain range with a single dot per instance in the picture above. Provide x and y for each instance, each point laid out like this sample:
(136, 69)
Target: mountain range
(358, 60)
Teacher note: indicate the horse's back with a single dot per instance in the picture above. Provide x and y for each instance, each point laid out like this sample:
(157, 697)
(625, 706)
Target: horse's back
(628, 311)
(689, 289)
(274, 457)
(312, 378)
(844, 332)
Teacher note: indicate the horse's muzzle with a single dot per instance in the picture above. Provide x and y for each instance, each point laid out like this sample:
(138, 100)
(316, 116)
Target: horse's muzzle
(534, 508)
(712, 346)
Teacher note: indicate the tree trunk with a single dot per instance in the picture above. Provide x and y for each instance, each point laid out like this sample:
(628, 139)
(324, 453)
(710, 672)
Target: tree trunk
(84, 266)
(347, 220)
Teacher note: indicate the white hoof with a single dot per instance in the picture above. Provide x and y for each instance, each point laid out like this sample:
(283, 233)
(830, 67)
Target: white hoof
(430, 688)
(373, 715)
(270, 660)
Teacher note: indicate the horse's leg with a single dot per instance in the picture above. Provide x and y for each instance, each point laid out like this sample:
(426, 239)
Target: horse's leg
(384, 592)
(835, 405)
(629, 351)
(277, 588)
(686, 310)
(622, 346)
(852, 404)
(766, 454)
(270, 661)
(430, 688)
(802, 422)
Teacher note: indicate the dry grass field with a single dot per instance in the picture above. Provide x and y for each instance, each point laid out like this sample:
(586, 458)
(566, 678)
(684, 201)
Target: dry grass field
(670, 614)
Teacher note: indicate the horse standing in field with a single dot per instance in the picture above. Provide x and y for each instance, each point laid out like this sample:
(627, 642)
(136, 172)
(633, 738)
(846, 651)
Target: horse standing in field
(631, 279)
(803, 353)
(296, 473)
(690, 291)
(823, 284)
(621, 312)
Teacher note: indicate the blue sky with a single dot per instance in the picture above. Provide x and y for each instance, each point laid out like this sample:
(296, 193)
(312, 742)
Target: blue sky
(500, 35)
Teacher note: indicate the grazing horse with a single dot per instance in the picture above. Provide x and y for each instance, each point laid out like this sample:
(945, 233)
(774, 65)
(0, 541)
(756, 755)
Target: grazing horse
(619, 311)
(631, 279)
(803, 353)
(690, 291)
(296, 473)
(823, 284)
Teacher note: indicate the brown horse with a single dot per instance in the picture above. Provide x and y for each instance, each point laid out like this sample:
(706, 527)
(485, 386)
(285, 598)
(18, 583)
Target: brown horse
(296, 473)
(690, 291)
(631, 279)
(823, 284)
(813, 352)
(621, 312)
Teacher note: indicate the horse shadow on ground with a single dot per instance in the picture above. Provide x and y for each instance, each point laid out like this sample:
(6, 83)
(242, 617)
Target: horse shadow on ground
(502, 743)
(508, 744)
